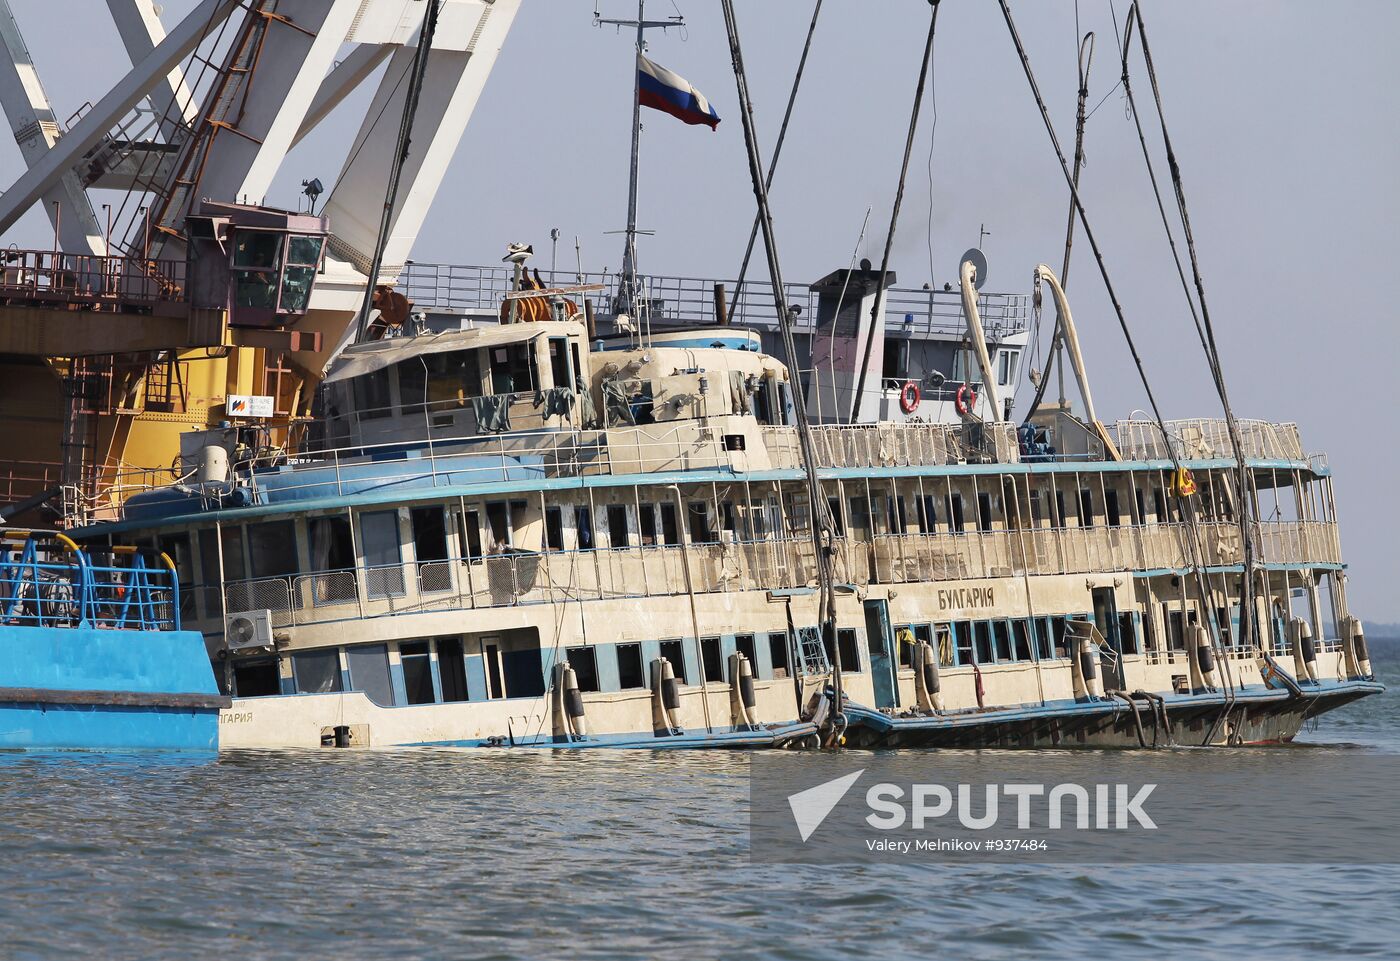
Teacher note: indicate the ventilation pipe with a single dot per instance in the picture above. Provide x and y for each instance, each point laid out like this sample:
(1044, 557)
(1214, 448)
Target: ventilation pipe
(979, 338)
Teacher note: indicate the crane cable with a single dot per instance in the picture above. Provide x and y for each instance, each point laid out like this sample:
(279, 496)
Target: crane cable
(1204, 328)
(894, 214)
(739, 299)
(1188, 512)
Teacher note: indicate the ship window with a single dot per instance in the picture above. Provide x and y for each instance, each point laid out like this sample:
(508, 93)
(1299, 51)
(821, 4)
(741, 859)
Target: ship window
(1001, 633)
(928, 513)
(1159, 505)
(1176, 630)
(585, 665)
(317, 672)
(583, 528)
(729, 519)
(982, 641)
(257, 248)
(1059, 518)
(498, 519)
(511, 369)
(962, 634)
(860, 513)
(430, 548)
(701, 531)
(778, 653)
(797, 513)
(331, 548)
(559, 362)
(469, 535)
(670, 530)
(272, 549)
(984, 512)
(1127, 633)
(629, 667)
(956, 521)
(452, 378)
(1044, 648)
(452, 668)
(256, 679)
(554, 528)
(838, 524)
(763, 401)
(1021, 634)
(379, 541)
(848, 649)
(1110, 507)
(370, 673)
(711, 660)
(1057, 630)
(617, 525)
(1141, 505)
(646, 523)
(673, 652)
(898, 515)
(371, 394)
(1086, 507)
(413, 385)
(743, 643)
(304, 250)
(417, 672)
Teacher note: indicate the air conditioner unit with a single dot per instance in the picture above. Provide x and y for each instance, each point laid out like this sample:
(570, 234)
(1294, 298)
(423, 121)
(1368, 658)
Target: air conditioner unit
(247, 630)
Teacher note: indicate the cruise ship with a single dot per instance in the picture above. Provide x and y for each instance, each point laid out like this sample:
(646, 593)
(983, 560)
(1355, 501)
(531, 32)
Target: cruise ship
(564, 532)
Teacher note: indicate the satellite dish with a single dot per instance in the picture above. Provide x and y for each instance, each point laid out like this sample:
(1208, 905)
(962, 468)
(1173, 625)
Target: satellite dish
(979, 262)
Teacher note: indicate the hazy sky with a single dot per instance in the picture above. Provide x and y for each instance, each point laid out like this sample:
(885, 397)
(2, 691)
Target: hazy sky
(1285, 116)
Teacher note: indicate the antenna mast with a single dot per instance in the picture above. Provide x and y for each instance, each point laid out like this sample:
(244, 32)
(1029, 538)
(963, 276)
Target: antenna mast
(627, 286)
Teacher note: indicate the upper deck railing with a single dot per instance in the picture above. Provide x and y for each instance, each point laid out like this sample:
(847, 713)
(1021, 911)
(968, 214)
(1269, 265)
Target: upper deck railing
(47, 581)
(44, 277)
(675, 300)
(1208, 439)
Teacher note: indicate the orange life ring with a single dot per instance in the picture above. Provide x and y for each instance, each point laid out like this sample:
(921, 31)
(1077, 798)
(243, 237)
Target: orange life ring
(1184, 483)
(965, 400)
(909, 397)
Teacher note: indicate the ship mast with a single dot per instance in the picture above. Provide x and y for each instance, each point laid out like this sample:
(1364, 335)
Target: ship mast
(627, 287)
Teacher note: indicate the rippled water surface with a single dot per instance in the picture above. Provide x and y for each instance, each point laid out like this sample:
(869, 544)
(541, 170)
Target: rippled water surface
(482, 854)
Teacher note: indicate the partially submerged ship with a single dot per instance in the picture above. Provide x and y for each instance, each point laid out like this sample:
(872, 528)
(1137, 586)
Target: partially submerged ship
(523, 534)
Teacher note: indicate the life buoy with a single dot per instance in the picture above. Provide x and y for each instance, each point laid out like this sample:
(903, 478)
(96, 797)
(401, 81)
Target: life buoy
(1184, 483)
(909, 397)
(965, 400)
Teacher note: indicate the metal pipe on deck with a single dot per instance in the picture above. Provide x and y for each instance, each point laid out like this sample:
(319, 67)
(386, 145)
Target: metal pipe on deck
(967, 275)
(1071, 336)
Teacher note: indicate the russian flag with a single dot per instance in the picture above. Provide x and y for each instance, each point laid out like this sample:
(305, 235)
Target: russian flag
(663, 90)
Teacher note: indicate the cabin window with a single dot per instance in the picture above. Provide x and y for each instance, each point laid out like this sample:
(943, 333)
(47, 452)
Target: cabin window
(303, 257)
(670, 529)
(453, 378)
(1159, 505)
(956, 521)
(584, 661)
(512, 370)
(1127, 632)
(1021, 638)
(848, 650)
(860, 514)
(317, 672)
(711, 661)
(554, 528)
(1058, 629)
(778, 653)
(371, 394)
(430, 548)
(417, 672)
(559, 362)
(962, 638)
(928, 513)
(629, 667)
(272, 549)
(1086, 507)
(379, 539)
(1059, 519)
(1110, 507)
(646, 523)
(729, 520)
(498, 519)
(469, 535)
(1176, 629)
(617, 525)
(743, 643)
(258, 253)
(583, 528)
(1036, 512)
(982, 642)
(798, 516)
(369, 672)
(1141, 501)
(701, 530)
(675, 655)
(452, 668)
(984, 512)
(256, 679)
(1001, 635)
(763, 401)
(211, 597)
(331, 547)
(1044, 647)
(413, 385)
(838, 523)
(898, 518)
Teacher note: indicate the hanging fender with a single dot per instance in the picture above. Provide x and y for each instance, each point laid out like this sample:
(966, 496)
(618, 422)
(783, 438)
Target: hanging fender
(965, 400)
(909, 397)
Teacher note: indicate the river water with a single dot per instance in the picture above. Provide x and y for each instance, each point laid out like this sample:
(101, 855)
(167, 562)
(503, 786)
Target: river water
(483, 854)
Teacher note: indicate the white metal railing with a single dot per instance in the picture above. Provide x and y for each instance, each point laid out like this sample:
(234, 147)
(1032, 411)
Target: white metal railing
(674, 299)
(1206, 439)
(552, 577)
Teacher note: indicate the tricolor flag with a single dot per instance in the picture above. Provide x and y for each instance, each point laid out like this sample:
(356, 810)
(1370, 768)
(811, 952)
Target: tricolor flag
(663, 90)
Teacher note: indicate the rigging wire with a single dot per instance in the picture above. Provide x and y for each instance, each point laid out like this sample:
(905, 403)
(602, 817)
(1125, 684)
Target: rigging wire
(739, 298)
(894, 213)
(932, 134)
